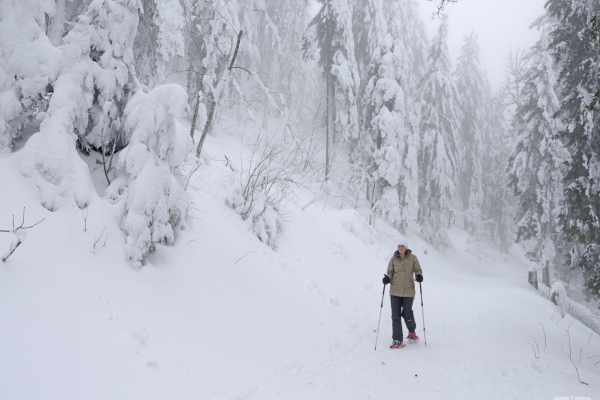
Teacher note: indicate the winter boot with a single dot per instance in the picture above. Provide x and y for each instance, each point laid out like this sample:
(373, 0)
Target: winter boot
(412, 336)
(397, 345)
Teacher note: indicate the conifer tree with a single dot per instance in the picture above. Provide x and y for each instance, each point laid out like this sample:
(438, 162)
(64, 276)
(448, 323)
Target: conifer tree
(575, 44)
(538, 158)
(471, 86)
(332, 33)
(440, 154)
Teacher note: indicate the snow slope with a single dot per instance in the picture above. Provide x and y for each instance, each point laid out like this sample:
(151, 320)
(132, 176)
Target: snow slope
(222, 316)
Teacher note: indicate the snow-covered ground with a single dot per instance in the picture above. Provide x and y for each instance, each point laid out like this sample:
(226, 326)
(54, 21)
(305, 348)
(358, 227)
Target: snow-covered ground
(222, 316)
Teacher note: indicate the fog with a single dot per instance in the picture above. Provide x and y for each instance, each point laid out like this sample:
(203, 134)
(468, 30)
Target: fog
(501, 25)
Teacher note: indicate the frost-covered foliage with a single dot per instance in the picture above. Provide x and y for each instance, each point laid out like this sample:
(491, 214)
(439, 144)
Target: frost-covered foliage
(282, 66)
(370, 26)
(537, 162)
(154, 200)
(263, 183)
(498, 202)
(575, 44)
(212, 28)
(160, 39)
(29, 64)
(89, 96)
(389, 141)
(440, 155)
(331, 31)
(471, 85)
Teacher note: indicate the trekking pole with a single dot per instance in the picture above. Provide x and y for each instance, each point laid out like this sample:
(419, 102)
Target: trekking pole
(423, 314)
(377, 337)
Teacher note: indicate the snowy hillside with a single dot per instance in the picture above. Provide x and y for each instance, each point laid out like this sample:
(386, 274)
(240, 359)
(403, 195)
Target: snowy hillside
(220, 315)
(199, 199)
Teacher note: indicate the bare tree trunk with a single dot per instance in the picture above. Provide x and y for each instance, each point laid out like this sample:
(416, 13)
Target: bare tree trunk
(330, 121)
(214, 102)
(372, 216)
(200, 90)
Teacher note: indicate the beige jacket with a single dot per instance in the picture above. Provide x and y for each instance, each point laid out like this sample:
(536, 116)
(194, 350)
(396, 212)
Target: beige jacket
(401, 272)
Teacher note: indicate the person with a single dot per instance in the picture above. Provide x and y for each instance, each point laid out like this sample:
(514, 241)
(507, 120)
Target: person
(400, 271)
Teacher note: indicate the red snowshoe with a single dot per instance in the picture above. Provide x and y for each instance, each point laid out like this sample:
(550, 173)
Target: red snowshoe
(397, 345)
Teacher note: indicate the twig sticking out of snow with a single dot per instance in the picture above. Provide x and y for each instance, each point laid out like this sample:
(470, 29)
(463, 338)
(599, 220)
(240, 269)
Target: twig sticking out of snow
(19, 233)
(85, 215)
(536, 349)
(97, 240)
(571, 359)
(544, 330)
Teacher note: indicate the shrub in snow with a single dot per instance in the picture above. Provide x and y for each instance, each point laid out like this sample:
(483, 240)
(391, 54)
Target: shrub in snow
(272, 172)
(155, 201)
(89, 96)
(28, 65)
(262, 211)
(260, 192)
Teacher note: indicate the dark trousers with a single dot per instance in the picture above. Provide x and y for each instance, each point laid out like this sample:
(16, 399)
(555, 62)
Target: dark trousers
(402, 308)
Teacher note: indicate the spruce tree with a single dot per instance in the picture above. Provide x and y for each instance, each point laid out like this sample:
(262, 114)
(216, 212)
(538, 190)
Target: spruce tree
(440, 155)
(332, 33)
(536, 170)
(575, 45)
(472, 88)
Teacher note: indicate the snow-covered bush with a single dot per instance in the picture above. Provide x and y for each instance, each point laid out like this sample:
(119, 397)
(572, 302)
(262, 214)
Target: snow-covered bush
(155, 202)
(28, 66)
(274, 169)
(260, 190)
(90, 93)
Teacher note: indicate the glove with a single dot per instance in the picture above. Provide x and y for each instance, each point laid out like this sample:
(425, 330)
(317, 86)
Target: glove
(386, 279)
(419, 278)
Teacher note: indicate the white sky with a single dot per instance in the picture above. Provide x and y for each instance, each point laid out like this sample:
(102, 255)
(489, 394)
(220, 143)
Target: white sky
(499, 24)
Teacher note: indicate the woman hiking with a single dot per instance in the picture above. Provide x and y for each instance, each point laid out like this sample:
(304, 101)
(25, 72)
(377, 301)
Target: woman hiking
(401, 269)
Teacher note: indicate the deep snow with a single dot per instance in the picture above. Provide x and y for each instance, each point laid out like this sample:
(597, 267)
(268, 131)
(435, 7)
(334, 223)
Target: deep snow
(222, 316)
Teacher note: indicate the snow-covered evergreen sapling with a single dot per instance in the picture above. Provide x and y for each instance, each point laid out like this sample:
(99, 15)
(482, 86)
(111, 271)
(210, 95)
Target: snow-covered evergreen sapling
(93, 85)
(154, 200)
(28, 66)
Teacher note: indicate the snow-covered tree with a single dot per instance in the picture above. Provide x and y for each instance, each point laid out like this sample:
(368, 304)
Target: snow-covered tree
(440, 155)
(575, 43)
(212, 28)
(538, 157)
(29, 65)
(498, 203)
(382, 129)
(159, 40)
(389, 140)
(331, 31)
(95, 77)
(295, 79)
(369, 26)
(154, 200)
(472, 88)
